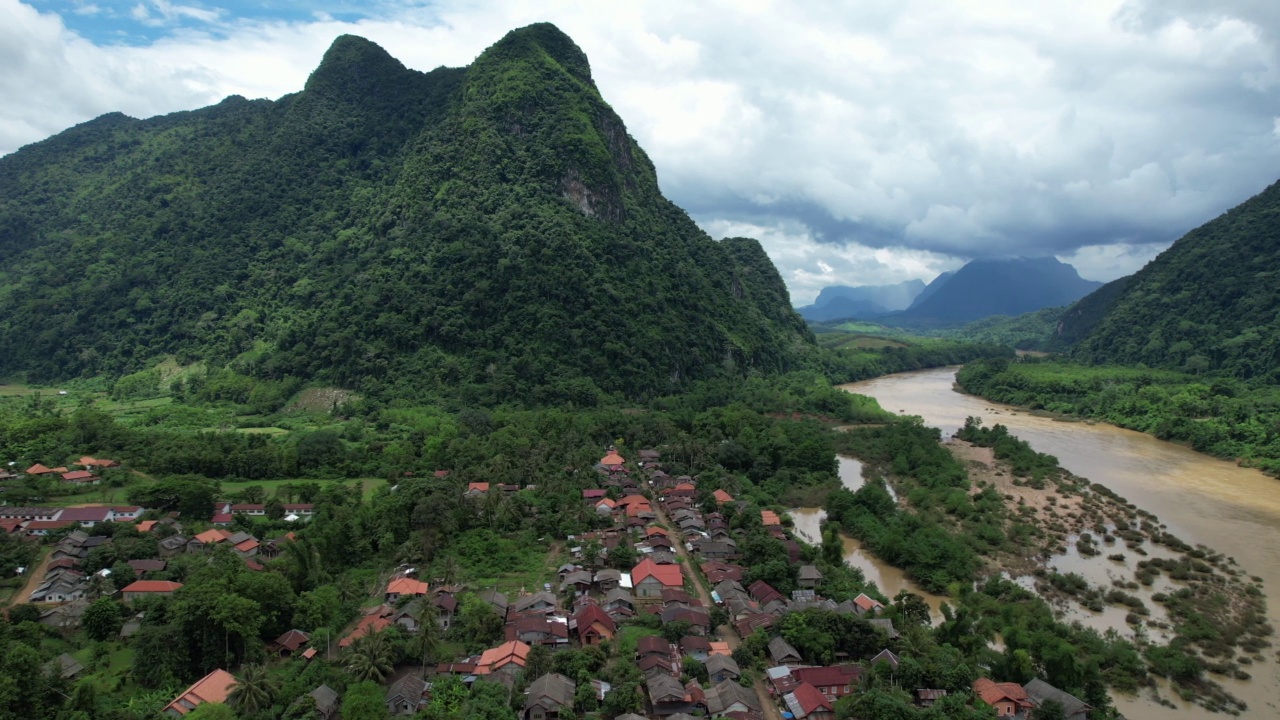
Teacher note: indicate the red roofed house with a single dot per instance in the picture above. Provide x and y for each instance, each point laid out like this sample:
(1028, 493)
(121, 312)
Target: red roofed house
(833, 682)
(288, 643)
(248, 548)
(145, 525)
(612, 459)
(149, 588)
(1009, 699)
(38, 469)
(90, 462)
(769, 517)
(507, 659)
(477, 488)
(375, 621)
(866, 604)
(649, 579)
(722, 497)
(402, 586)
(81, 477)
(594, 625)
(805, 702)
(212, 688)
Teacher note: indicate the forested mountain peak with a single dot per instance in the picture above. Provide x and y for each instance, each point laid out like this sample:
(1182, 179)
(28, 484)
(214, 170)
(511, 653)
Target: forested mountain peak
(492, 231)
(355, 67)
(1209, 302)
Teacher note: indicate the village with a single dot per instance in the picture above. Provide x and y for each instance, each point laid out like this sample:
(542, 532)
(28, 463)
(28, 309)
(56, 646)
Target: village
(703, 642)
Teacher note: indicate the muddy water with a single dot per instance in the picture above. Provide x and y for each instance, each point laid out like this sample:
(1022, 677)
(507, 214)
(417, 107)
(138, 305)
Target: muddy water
(890, 580)
(1202, 500)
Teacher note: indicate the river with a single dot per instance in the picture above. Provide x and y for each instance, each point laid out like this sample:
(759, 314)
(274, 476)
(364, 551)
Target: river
(808, 526)
(1201, 499)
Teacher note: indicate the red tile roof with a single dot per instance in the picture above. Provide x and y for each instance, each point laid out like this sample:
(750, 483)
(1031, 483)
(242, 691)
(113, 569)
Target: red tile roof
(145, 525)
(809, 699)
(38, 469)
(668, 575)
(994, 692)
(407, 586)
(478, 487)
(496, 658)
(78, 475)
(613, 458)
(769, 517)
(722, 497)
(212, 688)
(152, 586)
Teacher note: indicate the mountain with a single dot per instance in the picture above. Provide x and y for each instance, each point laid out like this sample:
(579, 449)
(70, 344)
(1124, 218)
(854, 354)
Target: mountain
(491, 230)
(932, 288)
(1211, 301)
(842, 301)
(987, 287)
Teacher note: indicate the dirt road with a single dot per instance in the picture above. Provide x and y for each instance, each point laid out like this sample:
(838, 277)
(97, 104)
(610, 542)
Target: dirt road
(727, 632)
(34, 577)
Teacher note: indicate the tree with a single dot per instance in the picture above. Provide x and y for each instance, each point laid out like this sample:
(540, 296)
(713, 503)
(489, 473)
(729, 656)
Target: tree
(370, 658)
(102, 619)
(1049, 710)
(364, 701)
(255, 690)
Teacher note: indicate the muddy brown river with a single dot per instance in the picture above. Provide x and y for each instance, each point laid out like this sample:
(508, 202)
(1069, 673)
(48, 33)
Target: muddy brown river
(1201, 499)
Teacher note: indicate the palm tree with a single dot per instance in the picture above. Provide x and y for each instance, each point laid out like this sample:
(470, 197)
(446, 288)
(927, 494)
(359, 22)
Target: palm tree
(427, 640)
(254, 690)
(370, 658)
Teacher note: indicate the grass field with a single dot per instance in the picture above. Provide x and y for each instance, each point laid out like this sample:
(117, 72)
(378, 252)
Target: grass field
(369, 484)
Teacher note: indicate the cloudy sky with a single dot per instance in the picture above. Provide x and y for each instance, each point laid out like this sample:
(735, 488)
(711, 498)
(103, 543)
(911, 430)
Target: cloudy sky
(860, 142)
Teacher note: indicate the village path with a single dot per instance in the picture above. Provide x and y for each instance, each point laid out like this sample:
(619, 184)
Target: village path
(726, 631)
(34, 577)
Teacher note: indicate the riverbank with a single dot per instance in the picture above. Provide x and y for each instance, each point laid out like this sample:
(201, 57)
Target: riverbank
(1226, 418)
(1199, 500)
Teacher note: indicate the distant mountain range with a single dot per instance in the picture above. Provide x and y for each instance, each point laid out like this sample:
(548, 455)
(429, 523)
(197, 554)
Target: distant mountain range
(842, 301)
(980, 289)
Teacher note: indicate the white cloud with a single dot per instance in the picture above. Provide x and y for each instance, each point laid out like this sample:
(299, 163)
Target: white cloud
(935, 130)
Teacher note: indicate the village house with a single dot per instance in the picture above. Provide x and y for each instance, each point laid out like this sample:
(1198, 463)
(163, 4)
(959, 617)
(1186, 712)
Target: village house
(806, 703)
(594, 625)
(536, 629)
(619, 603)
(885, 656)
(667, 696)
(326, 702)
(730, 697)
(504, 662)
(289, 643)
(374, 620)
(548, 696)
(649, 578)
(81, 477)
(608, 579)
(148, 588)
(403, 586)
(477, 489)
(926, 697)
(408, 695)
(866, 604)
(721, 668)
(782, 652)
(809, 577)
(1008, 698)
(539, 602)
(696, 647)
(172, 545)
(1073, 708)
(212, 688)
(833, 682)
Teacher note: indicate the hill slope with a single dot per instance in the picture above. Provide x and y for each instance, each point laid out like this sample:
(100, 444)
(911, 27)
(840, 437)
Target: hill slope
(1210, 301)
(490, 227)
(842, 301)
(983, 288)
